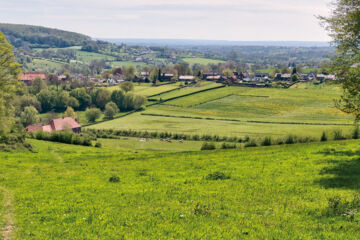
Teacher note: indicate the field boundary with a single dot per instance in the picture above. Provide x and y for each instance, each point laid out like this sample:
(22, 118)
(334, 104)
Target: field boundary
(247, 121)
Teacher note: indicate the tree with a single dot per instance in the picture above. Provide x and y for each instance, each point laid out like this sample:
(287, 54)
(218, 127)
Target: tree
(127, 86)
(130, 73)
(101, 97)
(117, 97)
(294, 78)
(92, 114)
(53, 79)
(38, 85)
(228, 72)
(343, 26)
(29, 116)
(70, 112)
(81, 95)
(110, 110)
(9, 85)
(47, 99)
(26, 101)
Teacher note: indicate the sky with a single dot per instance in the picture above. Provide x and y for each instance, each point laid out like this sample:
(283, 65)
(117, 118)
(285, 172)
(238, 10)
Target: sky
(235, 20)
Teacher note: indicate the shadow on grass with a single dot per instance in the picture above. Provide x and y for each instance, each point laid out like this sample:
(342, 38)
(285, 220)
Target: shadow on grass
(345, 172)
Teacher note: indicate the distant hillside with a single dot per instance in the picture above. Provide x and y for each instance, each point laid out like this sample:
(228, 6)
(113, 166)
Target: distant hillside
(36, 36)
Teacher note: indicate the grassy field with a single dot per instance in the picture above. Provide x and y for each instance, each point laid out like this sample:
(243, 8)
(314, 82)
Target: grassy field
(43, 65)
(126, 63)
(146, 89)
(203, 61)
(304, 110)
(187, 90)
(88, 57)
(281, 192)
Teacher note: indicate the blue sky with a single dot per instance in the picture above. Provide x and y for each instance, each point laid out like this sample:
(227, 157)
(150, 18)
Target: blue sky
(239, 20)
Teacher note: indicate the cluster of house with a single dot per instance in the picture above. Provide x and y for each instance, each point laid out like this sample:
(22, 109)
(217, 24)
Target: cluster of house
(238, 77)
(60, 124)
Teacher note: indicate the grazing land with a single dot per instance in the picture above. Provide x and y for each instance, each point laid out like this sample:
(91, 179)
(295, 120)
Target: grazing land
(204, 61)
(304, 110)
(280, 192)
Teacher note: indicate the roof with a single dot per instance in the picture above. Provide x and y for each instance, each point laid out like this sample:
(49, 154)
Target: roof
(33, 128)
(64, 123)
(186, 77)
(31, 76)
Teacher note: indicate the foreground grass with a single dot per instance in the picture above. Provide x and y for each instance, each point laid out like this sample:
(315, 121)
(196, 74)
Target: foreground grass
(280, 192)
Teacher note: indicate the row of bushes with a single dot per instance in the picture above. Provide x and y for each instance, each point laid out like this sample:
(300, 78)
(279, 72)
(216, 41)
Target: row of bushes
(290, 139)
(67, 137)
(115, 134)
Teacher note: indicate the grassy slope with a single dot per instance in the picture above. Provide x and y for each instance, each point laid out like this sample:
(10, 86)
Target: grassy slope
(146, 89)
(280, 192)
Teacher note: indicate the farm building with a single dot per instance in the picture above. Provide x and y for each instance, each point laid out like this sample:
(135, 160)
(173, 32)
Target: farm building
(29, 78)
(60, 124)
(186, 78)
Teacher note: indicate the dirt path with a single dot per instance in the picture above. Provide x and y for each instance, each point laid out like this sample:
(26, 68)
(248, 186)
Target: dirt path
(7, 214)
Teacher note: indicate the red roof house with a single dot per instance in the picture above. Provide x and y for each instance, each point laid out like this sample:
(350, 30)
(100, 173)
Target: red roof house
(60, 124)
(29, 78)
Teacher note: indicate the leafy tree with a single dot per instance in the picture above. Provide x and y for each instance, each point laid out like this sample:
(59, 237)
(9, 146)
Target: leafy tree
(127, 86)
(110, 110)
(47, 99)
(81, 95)
(70, 112)
(100, 97)
(26, 101)
(92, 114)
(130, 73)
(72, 102)
(29, 116)
(118, 97)
(38, 85)
(343, 26)
(228, 72)
(53, 79)
(9, 85)
(294, 78)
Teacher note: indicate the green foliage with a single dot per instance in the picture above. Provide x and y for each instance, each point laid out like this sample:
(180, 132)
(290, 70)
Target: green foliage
(323, 137)
(29, 116)
(208, 146)
(70, 113)
(338, 135)
(127, 86)
(92, 114)
(38, 85)
(67, 137)
(217, 176)
(83, 98)
(110, 110)
(9, 85)
(266, 142)
(355, 134)
(114, 179)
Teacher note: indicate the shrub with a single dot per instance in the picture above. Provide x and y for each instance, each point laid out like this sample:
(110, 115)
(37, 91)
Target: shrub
(323, 137)
(217, 176)
(266, 141)
(228, 146)
(251, 143)
(338, 135)
(355, 134)
(208, 146)
(98, 145)
(92, 114)
(290, 139)
(114, 179)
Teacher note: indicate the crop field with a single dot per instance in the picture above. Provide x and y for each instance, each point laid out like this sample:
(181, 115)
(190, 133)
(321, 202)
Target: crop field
(305, 191)
(203, 61)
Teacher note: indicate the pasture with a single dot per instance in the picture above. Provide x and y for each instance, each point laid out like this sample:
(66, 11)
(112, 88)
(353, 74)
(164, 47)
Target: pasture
(279, 192)
(146, 89)
(202, 61)
(304, 110)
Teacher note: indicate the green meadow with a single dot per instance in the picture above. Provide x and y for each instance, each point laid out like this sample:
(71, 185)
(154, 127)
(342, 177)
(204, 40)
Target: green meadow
(202, 61)
(304, 110)
(303, 191)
